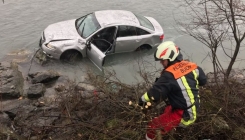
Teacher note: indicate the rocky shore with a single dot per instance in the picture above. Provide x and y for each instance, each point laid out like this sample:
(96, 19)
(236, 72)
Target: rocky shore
(46, 105)
(31, 101)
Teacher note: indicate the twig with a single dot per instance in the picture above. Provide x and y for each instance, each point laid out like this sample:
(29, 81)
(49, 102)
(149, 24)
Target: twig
(32, 60)
(98, 129)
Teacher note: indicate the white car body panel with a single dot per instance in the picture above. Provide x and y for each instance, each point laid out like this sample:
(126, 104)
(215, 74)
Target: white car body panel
(63, 36)
(109, 17)
(96, 56)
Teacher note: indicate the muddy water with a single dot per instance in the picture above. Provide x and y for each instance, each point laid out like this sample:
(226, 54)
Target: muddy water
(22, 21)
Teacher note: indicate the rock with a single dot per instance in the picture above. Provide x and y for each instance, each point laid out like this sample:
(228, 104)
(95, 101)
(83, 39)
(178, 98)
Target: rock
(85, 86)
(44, 77)
(60, 88)
(11, 80)
(13, 105)
(4, 119)
(39, 104)
(36, 91)
(40, 57)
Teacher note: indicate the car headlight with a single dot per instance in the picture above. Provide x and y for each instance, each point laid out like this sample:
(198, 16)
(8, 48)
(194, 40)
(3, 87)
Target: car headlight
(50, 46)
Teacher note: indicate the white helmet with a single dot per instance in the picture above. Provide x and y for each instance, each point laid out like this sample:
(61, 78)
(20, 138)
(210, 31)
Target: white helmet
(167, 50)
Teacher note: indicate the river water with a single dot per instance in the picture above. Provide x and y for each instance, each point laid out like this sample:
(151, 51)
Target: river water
(22, 21)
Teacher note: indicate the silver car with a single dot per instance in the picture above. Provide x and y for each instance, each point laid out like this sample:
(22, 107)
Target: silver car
(101, 33)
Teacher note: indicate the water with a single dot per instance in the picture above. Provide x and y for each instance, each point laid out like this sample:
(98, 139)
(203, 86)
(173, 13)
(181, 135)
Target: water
(22, 21)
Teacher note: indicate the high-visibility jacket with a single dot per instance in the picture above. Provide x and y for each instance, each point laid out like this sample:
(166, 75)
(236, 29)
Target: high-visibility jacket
(179, 83)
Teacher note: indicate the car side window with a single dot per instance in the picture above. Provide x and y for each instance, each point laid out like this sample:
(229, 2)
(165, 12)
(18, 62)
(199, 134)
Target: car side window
(124, 31)
(107, 34)
(141, 31)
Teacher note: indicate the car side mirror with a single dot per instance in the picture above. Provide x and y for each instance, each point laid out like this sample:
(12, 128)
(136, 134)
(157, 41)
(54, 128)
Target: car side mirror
(88, 44)
(89, 47)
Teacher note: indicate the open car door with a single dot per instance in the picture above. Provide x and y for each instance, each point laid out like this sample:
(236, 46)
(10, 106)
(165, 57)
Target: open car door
(95, 55)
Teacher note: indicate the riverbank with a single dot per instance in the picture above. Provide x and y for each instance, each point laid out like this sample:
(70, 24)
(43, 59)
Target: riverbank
(48, 105)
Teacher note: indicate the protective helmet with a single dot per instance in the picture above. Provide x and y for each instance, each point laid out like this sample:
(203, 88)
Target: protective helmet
(167, 50)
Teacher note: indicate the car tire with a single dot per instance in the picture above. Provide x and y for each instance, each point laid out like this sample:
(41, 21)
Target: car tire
(143, 47)
(70, 56)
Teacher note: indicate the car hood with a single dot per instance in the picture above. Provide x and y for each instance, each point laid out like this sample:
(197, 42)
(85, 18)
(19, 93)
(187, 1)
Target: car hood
(62, 30)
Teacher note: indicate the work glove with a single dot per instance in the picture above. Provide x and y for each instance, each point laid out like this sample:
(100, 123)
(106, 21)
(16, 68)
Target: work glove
(141, 102)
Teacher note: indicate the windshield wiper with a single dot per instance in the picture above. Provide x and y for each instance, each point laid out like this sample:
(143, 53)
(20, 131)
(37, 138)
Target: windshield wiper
(83, 29)
(82, 21)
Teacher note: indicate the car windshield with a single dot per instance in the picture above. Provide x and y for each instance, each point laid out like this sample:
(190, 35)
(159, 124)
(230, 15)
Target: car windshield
(87, 25)
(145, 22)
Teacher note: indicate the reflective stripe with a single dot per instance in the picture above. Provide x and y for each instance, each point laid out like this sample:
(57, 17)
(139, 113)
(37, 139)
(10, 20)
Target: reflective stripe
(184, 92)
(193, 118)
(188, 89)
(192, 110)
(147, 99)
(196, 74)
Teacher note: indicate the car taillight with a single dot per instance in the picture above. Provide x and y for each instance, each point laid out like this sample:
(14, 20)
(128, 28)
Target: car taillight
(161, 37)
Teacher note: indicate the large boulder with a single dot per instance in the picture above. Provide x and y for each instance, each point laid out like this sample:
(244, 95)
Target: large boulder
(11, 80)
(44, 77)
(36, 91)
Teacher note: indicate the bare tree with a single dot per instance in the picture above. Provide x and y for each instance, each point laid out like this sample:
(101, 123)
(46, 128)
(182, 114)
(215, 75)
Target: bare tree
(213, 22)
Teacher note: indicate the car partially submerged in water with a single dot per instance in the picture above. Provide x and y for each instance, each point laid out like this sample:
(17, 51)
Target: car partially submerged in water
(101, 33)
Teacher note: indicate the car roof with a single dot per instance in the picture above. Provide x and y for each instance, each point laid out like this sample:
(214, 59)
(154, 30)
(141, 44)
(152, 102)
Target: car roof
(111, 17)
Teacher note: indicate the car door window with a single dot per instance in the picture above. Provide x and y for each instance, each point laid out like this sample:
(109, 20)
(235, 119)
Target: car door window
(125, 31)
(141, 31)
(104, 38)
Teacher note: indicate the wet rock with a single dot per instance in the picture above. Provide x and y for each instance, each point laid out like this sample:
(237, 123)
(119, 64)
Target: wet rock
(36, 91)
(4, 119)
(11, 115)
(44, 77)
(40, 57)
(39, 104)
(11, 80)
(62, 84)
(13, 105)
(60, 88)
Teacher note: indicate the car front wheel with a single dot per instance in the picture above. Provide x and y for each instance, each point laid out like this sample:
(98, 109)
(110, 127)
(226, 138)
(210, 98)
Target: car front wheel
(70, 55)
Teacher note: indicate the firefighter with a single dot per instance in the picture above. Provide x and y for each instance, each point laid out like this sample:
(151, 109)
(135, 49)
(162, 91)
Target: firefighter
(179, 84)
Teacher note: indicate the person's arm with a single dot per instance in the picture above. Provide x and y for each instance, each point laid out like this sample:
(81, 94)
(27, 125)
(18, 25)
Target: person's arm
(159, 90)
(202, 77)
